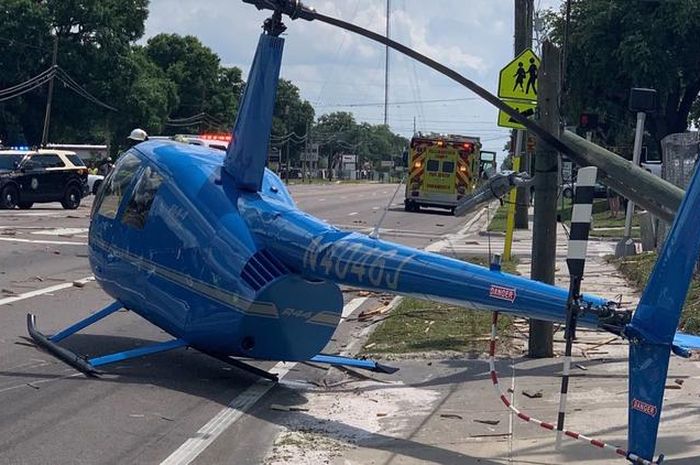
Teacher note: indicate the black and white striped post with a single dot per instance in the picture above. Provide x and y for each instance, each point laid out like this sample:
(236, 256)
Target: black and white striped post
(576, 262)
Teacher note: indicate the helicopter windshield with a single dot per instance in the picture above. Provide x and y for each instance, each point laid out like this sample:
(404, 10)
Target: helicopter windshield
(136, 212)
(116, 184)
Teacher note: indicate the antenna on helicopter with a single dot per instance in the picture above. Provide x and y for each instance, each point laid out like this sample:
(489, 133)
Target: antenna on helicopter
(576, 262)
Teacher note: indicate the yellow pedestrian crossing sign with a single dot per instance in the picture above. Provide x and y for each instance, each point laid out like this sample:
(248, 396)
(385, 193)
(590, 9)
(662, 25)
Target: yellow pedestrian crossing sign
(527, 109)
(518, 79)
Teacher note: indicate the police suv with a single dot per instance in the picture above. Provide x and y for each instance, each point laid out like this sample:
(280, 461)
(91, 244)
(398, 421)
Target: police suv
(45, 175)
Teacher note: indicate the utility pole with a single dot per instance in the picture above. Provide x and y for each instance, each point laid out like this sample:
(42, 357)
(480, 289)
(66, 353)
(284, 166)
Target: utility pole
(306, 152)
(544, 229)
(49, 97)
(523, 40)
(386, 64)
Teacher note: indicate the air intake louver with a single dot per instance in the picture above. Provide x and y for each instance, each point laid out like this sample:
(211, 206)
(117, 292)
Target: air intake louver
(261, 269)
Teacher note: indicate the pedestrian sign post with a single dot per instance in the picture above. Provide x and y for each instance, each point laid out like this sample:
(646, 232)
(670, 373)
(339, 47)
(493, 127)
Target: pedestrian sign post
(527, 109)
(517, 87)
(518, 79)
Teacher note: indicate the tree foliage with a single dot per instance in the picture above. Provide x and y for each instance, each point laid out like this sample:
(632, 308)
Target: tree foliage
(618, 44)
(172, 84)
(339, 133)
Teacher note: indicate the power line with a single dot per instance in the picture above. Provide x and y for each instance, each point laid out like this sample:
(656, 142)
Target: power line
(19, 42)
(405, 102)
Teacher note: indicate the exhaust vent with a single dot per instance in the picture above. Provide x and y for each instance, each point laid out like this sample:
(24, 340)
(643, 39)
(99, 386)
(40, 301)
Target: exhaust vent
(261, 269)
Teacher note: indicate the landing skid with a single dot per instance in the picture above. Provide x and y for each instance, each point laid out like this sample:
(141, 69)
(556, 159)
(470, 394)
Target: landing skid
(365, 364)
(89, 365)
(83, 363)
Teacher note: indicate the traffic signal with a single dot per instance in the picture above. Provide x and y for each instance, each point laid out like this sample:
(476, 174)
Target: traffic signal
(588, 121)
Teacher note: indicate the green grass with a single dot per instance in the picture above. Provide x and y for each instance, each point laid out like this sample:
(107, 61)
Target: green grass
(601, 219)
(498, 221)
(637, 269)
(422, 326)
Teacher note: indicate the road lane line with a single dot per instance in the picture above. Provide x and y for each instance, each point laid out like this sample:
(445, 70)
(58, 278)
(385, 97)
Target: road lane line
(60, 231)
(41, 241)
(42, 214)
(46, 290)
(207, 434)
(353, 305)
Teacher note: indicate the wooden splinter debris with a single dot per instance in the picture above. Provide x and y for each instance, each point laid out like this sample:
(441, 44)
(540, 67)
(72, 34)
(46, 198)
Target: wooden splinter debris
(288, 408)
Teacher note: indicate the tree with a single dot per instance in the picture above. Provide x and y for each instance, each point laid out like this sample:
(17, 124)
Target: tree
(338, 132)
(203, 85)
(92, 36)
(615, 45)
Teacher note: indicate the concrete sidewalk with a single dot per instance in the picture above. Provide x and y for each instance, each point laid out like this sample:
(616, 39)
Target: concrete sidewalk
(445, 410)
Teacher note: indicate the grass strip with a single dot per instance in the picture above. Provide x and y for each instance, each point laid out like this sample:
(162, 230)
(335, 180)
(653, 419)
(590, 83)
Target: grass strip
(637, 269)
(417, 326)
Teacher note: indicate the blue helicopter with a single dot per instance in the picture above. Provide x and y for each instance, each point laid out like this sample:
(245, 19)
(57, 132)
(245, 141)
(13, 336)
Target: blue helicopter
(210, 247)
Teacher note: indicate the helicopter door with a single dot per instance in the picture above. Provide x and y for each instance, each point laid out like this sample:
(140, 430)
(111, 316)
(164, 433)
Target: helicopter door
(107, 205)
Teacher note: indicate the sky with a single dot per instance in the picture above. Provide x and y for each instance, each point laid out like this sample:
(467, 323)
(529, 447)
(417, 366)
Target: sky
(336, 70)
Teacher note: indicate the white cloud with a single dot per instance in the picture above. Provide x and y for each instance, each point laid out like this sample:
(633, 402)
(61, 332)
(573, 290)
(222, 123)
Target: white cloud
(332, 66)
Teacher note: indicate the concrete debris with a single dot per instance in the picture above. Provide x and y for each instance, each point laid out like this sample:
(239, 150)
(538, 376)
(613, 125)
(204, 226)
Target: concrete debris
(487, 422)
(532, 395)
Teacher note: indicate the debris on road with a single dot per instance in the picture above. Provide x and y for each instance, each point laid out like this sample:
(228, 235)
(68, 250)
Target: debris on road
(487, 422)
(532, 395)
(288, 408)
(79, 283)
(451, 415)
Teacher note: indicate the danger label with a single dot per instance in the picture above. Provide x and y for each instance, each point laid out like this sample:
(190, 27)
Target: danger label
(502, 293)
(643, 407)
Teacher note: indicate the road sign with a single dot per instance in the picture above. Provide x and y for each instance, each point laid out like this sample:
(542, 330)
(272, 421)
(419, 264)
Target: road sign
(518, 79)
(526, 109)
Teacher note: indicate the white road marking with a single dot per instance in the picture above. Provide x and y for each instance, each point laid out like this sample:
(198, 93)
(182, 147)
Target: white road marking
(12, 213)
(61, 231)
(46, 290)
(321, 200)
(353, 213)
(376, 208)
(40, 241)
(207, 434)
(353, 305)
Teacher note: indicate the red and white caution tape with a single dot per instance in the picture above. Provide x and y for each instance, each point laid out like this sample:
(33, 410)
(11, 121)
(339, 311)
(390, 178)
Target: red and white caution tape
(549, 426)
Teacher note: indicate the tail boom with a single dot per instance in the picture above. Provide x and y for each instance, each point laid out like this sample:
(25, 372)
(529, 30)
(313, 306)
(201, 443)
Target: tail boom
(317, 250)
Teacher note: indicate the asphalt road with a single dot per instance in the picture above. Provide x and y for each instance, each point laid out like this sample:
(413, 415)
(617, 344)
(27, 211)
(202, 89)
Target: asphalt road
(178, 407)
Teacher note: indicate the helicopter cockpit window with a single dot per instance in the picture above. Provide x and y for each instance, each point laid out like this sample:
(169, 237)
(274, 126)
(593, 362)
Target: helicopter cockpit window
(139, 205)
(116, 183)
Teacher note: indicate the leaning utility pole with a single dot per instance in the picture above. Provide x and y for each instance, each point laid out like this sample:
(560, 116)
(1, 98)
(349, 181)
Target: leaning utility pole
(523, 40)
(544, 228)
(49, 97)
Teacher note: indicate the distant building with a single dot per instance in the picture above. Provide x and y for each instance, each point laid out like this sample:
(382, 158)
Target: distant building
(84, 151)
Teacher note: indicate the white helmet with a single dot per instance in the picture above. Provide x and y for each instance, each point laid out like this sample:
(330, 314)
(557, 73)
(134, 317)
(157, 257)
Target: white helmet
(138, 135)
